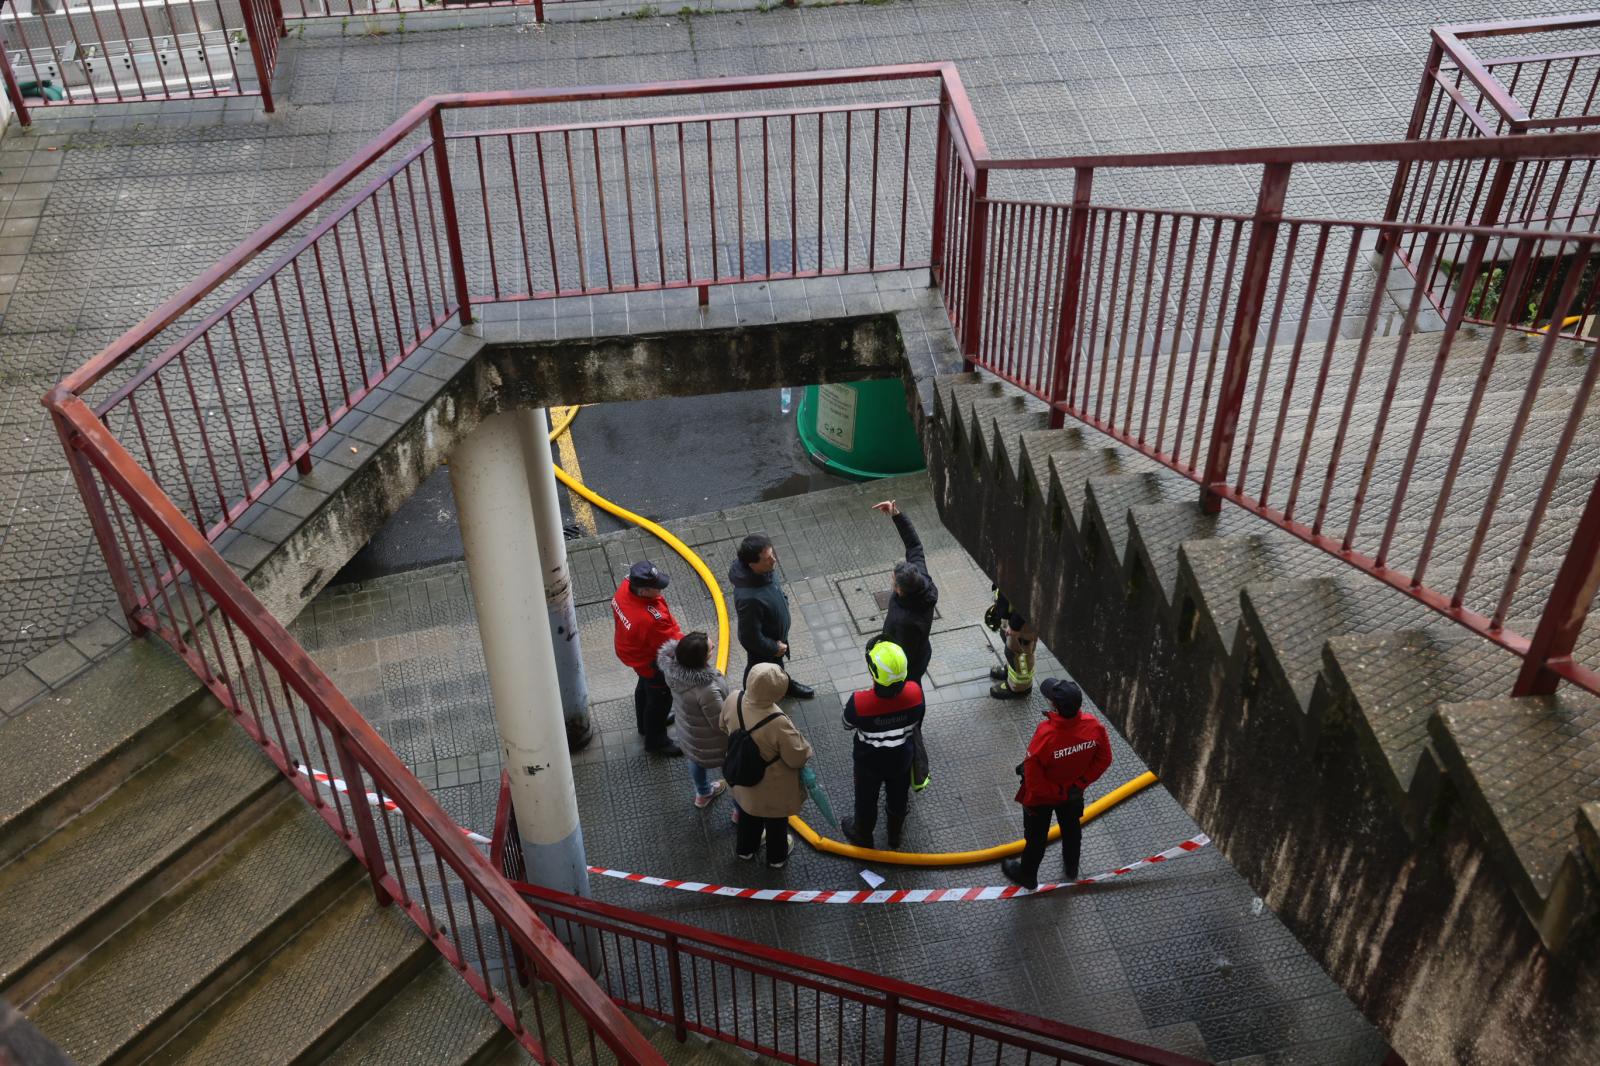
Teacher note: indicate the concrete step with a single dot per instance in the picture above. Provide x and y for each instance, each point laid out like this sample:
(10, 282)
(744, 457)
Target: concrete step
(436, 1020)
(135, 991)
(97, 871)
(1525, 769)
(71, 748)
(1293, 620)
(1397, 680)
(308, 997)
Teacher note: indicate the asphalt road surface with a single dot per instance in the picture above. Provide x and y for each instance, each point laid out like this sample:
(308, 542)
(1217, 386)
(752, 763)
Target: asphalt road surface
(662, 458)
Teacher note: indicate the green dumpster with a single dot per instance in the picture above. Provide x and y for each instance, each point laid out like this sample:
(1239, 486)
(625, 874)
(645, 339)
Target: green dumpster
(861, 430)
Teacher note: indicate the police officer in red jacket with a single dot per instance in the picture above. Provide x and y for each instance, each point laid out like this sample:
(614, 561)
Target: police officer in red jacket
(1069, 751)
(642, 623)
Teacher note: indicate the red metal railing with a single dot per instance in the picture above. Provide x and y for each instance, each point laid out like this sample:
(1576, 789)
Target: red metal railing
(691, 202)
(790, 1007)
(415, 855)
(121, 51)
(1551, 85)
(1267, 357)
(235, 380)
(1275, 361)
(313, 9)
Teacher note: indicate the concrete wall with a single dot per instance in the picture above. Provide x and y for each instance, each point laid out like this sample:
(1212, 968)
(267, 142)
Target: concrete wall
(1410, 916)
(500, 377)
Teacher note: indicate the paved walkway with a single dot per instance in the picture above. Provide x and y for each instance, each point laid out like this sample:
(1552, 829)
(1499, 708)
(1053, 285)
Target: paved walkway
(108, 211)
(1178, 956)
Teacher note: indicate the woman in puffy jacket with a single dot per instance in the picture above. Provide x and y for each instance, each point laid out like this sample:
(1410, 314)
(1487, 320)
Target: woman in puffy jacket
(698, 690)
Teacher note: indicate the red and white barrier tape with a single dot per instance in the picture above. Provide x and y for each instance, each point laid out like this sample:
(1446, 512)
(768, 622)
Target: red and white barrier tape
(899, 895)
(372, 798)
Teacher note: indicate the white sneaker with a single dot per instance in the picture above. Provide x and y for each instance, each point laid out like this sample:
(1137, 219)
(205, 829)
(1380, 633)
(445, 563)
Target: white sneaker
(779, 864)
(711, 797)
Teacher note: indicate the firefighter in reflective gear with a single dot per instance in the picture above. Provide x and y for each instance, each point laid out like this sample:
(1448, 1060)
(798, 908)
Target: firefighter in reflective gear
(1068, 753)
(1014, 680)
(884, 719)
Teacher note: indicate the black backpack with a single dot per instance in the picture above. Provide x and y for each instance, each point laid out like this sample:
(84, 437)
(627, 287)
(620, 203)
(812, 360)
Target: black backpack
(743, 764)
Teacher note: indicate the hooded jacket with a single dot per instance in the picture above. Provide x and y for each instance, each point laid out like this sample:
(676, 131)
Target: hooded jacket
(640, 626)
(1064, 754)
(697, 697)
(763, 612)
(910, 616)
(780, 792)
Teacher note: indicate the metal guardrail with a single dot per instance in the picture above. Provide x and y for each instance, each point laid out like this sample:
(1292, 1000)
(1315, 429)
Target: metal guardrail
(791, 1007)
(241, 374)
(1551, 85)
(125, 51)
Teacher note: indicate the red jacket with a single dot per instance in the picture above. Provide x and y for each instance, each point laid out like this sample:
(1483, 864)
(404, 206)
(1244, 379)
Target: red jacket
(1065, 753)
(641, 627)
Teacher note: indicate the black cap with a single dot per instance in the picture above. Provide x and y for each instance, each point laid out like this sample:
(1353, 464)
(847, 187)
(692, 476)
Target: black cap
(645, 573)
(1064, 696)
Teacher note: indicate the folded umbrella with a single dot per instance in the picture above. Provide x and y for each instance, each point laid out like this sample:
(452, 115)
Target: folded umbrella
(808, 777)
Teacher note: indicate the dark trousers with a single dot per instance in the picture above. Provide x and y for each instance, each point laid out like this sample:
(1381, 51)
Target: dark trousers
(748, 834)
(919, 747)
(887, 771)
(1036, 835)
(652, 702)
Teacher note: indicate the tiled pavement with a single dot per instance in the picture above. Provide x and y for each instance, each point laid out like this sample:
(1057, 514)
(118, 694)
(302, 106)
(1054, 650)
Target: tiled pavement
(1178, 956)
(108, 211)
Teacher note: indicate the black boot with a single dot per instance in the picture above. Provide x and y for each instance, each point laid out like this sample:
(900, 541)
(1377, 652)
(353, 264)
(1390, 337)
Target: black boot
(799, 691)
(1012, 868)
(895, 825)
(847, 826)
(997, 673)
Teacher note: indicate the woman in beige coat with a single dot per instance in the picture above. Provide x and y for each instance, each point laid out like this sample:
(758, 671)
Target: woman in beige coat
(765, 807)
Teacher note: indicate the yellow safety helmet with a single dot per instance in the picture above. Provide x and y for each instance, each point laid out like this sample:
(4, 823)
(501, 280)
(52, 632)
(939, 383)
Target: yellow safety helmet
(887, 661)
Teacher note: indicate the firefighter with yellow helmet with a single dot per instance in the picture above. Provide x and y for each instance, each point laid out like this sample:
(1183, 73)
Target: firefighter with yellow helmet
(883, 719)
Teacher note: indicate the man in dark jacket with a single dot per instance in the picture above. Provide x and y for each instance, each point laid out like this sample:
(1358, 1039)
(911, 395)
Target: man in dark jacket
(762, 608)
(909, 621)
(642, 622)
(1069, 751)
(884, 718)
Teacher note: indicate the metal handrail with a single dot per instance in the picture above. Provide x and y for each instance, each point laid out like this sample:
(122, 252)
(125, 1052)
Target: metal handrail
(970, 233)
(357, 740)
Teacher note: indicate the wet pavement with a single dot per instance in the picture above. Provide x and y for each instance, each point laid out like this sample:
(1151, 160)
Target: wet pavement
(1181, 955)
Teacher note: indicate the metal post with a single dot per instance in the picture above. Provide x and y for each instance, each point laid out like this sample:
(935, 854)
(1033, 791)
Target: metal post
(891, 1028)
(1419, 113)
(496, 512)
(561, 606)
(252, 34)
(1246, 318)
(1072, 282)
(13, 91)
(100, 522)
(452, 227)
(680, 1030)
(1568, 606)
(941, 188)
(971, 316)
(361, 811)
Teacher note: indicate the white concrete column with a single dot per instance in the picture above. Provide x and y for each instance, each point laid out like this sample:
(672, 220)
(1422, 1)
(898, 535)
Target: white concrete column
(561, 606)
(490, 481)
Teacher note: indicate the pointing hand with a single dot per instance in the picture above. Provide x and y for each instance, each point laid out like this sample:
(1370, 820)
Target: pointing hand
(888, 507)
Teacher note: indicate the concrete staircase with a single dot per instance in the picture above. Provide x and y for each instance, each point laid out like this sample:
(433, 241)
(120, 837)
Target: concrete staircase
(1248, 668)
(169, 897)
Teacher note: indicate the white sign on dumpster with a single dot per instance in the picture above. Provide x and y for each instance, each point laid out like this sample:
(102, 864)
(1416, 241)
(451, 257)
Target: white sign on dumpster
(836, 415)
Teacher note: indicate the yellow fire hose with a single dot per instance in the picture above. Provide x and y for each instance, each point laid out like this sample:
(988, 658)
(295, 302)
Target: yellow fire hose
(559, 425)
